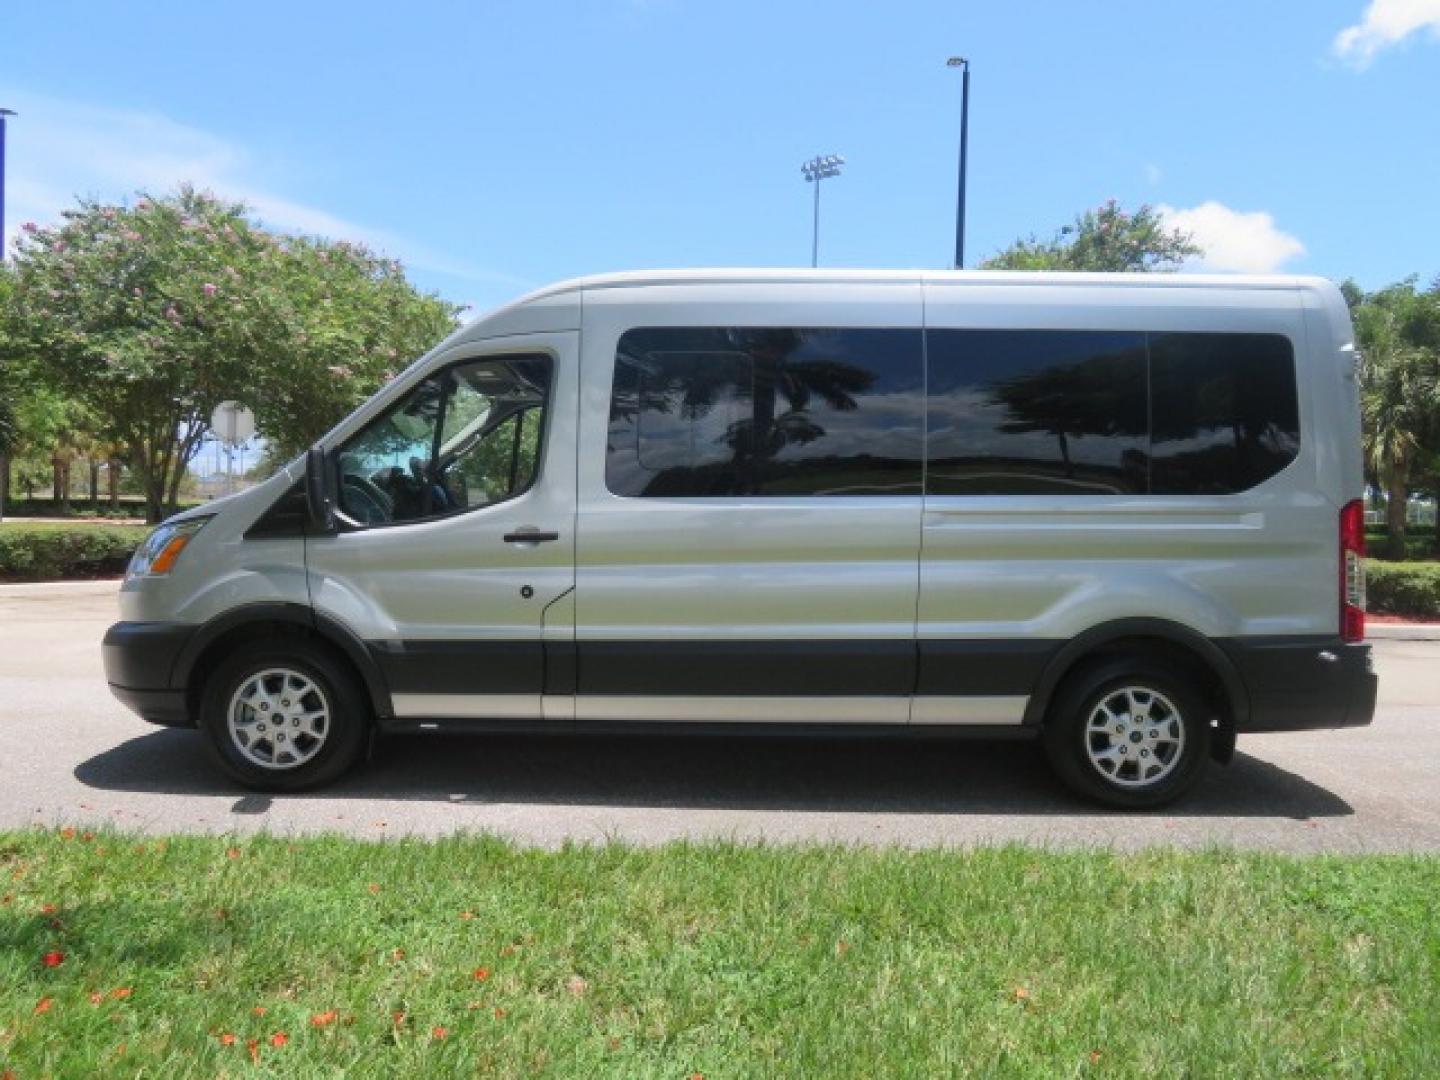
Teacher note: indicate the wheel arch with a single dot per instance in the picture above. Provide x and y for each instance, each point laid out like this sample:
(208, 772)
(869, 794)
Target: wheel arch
(255, 621)
(1155, 637)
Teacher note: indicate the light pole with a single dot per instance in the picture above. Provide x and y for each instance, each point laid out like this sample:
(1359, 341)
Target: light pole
(964, 64)
(3, 114)
(820, 167)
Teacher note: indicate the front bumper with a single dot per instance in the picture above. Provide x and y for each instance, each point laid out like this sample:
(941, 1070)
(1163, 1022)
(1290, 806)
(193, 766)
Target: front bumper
(1297, 684)
(140, 660)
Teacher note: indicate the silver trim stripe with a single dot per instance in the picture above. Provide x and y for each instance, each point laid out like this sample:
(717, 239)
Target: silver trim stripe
(988, 711)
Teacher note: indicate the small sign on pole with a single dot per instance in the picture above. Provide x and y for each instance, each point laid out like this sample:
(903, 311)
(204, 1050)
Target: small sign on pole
(233, 425)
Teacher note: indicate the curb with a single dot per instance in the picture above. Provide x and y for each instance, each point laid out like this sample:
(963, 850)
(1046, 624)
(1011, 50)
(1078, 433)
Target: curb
(1403, 632)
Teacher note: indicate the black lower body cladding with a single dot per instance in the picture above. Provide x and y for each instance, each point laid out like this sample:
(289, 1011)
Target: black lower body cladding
(1302, 683)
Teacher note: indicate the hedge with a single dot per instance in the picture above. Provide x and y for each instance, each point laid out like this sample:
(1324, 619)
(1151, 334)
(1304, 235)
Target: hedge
(1394, 588)
(46, 552)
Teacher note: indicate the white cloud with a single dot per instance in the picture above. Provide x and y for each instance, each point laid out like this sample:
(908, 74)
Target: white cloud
(1385, 23)
(1233, 239)
(61, 150)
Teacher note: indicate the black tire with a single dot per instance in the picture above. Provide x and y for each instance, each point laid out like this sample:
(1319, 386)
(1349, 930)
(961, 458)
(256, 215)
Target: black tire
(1167, 773)
(345, 727)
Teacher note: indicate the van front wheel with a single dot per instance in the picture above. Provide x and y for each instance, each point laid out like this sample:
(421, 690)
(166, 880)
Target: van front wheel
(1132, 734)
(283, 718)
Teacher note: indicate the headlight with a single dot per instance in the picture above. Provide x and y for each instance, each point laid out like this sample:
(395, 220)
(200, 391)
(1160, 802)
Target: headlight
(162, 548)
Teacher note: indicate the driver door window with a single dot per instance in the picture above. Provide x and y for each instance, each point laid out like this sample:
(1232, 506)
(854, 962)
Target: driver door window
(463, 438)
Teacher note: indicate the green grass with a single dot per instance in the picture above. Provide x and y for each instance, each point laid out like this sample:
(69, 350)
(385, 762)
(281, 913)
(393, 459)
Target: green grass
(714, 959)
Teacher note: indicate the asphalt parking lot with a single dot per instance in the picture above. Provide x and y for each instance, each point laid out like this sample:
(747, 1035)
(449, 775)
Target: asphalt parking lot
(69, 753)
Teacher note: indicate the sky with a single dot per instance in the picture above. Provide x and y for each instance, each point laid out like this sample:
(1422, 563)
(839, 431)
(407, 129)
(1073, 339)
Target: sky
(496, 147)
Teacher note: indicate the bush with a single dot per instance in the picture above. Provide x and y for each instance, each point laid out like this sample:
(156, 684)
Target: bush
(1403, 588)
(47, 552)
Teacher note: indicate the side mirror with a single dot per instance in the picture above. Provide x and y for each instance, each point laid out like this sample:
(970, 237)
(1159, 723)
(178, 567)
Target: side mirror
(319, 491)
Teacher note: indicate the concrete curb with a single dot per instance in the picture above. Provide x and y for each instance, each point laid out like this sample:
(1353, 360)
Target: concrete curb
(1403, 631)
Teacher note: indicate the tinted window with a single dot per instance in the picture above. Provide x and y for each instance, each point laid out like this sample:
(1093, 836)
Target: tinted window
(463, 438)
(1224, 411)
(714, 411)
(1027, 412)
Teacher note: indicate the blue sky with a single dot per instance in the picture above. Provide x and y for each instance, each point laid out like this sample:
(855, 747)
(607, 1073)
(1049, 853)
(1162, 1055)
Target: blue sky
(495, 147)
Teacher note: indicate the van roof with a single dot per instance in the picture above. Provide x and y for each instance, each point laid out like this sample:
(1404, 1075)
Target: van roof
(807, 276)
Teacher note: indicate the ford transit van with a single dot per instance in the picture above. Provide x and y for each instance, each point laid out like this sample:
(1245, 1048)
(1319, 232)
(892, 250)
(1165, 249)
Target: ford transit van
(1119, 514)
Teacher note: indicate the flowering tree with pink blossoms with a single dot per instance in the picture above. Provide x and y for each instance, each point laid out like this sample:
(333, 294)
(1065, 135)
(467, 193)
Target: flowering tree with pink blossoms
(152, 313)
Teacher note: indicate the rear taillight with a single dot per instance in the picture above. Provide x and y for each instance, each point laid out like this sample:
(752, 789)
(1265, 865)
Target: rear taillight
(1352, 571)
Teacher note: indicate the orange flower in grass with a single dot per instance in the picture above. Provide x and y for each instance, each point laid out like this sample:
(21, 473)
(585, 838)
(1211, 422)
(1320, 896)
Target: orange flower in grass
(279, 1039)
(44, 1005)
(324, 1019)
(481, 974)
(53, 959)
(227, 1038)
(120, 993)
(438, 1033)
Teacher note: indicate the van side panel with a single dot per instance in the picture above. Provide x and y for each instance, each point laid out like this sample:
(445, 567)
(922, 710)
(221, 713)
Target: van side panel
(1022, 569)
(744, 597)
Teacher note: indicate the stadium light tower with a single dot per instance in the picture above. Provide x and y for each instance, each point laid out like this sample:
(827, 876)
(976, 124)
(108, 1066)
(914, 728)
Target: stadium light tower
(820, 167)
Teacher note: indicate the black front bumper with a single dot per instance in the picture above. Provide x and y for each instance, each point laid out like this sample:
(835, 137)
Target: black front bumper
(140, 661)
(1296, 684)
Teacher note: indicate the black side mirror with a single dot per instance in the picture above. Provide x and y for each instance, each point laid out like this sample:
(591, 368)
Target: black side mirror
(319, 491)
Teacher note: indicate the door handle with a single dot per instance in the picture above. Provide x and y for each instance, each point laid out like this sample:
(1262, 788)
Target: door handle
(530, 535)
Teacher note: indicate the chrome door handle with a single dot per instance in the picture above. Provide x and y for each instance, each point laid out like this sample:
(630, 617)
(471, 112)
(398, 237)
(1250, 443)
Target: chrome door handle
(530, 535)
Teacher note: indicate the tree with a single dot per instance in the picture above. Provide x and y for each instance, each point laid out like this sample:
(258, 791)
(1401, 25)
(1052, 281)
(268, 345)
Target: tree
(149, 315)
(353, 323)
(1104, 239)
(9, 390)
(1398, 331)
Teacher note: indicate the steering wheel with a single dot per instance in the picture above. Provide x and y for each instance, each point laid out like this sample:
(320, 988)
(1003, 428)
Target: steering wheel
(372, 503)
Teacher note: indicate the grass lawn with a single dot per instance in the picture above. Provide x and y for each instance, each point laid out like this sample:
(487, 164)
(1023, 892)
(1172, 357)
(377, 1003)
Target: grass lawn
(125, 956)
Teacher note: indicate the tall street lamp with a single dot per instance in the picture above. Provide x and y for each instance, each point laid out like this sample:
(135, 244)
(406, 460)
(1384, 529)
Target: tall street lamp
(820, 167)
(964, 64)
(3, 114)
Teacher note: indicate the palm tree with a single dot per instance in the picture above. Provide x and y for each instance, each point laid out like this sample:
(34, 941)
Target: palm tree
(1398, 403)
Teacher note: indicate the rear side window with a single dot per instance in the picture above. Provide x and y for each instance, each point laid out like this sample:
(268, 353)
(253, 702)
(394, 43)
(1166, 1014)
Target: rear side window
(757, 411)
(1032, 412)
(1026, 412)
(1224, 412)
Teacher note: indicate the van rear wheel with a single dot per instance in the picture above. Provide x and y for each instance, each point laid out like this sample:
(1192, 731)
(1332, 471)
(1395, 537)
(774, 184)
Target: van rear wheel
(283, 717)
(1131, 733)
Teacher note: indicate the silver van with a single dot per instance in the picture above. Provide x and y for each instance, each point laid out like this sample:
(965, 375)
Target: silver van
(1119, 514)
